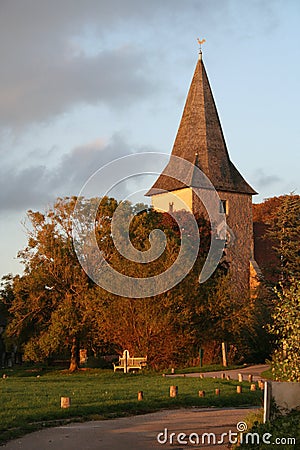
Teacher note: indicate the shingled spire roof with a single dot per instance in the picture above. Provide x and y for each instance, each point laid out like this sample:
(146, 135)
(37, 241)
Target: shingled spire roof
(200, 140)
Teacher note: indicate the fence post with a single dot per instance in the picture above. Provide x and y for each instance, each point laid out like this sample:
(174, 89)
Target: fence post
(267, 400)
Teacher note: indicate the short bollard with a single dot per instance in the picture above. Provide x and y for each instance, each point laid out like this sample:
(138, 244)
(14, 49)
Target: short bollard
(201, 393)
(250, 378)
(240, 377)
(217, 391)
(261, 385)
(173, 391)
(201, 375)
(65, 402)
(253, 387)
(239, 389)
(228, 377)
(172, 370)
(223, 376)
(140, 395)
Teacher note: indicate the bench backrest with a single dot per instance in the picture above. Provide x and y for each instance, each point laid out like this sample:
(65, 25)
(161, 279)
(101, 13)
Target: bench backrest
(131, 360)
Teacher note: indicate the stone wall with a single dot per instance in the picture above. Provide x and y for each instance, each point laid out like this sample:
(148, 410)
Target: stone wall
(238, 251)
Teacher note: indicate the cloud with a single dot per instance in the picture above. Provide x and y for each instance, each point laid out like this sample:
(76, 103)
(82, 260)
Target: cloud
(113, 78)
(56, 56)
(37, 185)
(261, 179)
(21, 188)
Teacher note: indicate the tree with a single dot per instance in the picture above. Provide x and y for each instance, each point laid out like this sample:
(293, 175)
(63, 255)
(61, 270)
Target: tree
(278, 249)
(55, 305)
(286, 329)
(160, 327)
(47, 307)
(284, 232)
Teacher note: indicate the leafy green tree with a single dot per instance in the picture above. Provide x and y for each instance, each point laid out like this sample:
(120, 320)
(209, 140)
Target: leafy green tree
(286, 329)
(284, 232)
(47, 307)
(160, 327)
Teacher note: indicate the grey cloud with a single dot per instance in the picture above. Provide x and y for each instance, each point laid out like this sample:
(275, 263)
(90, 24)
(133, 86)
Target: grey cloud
(36, 186)
(76, 167)
(261, 179)
(22, 189)
(111, 77)
(44, 70)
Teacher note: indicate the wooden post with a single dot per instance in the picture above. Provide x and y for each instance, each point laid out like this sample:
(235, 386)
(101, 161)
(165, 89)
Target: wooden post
(224, 356)
(253, 387)
(250, 378)
(217, 391)
(201, 357)
(172, 370)
(240, 377)
(239, 389)
(267, 400)
(223, 376)
(201, 375)
(65, 402)
(140, 395)
(228, 377)
(261, 385)
(126, 356)
(201, 393)
(173, 391)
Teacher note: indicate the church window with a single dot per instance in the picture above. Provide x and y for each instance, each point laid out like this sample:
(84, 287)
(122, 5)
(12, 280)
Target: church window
(223, 207)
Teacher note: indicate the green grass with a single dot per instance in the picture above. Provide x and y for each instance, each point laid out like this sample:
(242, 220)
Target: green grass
(30, 398)
(267, 374)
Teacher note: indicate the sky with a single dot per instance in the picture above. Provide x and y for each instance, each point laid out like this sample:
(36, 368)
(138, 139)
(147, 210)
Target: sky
(84, 83)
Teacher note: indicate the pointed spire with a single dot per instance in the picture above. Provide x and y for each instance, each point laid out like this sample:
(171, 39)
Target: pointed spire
(200, 133)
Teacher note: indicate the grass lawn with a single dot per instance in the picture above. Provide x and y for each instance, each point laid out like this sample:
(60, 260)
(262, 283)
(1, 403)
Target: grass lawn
(30, 398)
(267, 374)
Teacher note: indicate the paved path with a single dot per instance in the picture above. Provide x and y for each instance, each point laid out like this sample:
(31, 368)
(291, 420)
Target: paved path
(137, 432)
(253, 370)
(140, 432)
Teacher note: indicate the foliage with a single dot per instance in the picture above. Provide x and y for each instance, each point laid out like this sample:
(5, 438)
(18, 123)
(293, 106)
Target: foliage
(284, 232)
(48, 304)
(55, 306)
(282, 428)
(265, 211)
(286, 329)
(282, 217)
(160, 327)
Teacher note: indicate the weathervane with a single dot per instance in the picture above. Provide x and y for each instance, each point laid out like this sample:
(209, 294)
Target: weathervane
(200, 44)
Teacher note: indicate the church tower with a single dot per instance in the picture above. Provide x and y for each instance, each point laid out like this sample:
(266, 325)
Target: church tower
(200, 141)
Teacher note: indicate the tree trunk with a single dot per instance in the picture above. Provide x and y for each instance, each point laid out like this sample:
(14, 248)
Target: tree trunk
(74, 362)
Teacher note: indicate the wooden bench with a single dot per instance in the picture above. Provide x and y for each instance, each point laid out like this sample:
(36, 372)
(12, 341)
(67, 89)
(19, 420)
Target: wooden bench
(127, 363)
